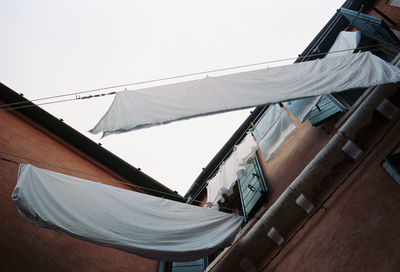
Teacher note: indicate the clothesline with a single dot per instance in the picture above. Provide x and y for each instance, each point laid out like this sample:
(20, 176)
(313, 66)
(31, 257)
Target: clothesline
(332, 51)
(228, 153)
(95, 176)
(4, 107)
(142, 224)
(153, 106)
(342, 44)
(268, 133)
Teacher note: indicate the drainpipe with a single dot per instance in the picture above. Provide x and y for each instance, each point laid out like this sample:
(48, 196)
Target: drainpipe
(336, 160)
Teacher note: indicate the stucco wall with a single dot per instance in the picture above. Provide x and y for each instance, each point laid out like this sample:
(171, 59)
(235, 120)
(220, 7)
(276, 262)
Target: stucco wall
(390, 11)
(291, 159)
(26, 247)
(358, 230)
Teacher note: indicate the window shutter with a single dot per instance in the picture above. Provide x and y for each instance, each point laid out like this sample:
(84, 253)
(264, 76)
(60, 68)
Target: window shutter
(252, 188)
(326, 108)
(192, 266)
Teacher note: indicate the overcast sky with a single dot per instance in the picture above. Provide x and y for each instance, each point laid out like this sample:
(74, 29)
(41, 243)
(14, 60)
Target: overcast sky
(53, 47)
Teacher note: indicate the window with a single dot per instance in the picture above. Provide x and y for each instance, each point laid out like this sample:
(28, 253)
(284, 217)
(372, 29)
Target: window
(391, 164)
(252, 189)
(377, 37)
(192, 266)
(328, 107)
(371, 27)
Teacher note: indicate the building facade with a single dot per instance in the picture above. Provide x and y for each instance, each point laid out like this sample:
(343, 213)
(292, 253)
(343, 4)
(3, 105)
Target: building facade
(31, 135)
(328, 199)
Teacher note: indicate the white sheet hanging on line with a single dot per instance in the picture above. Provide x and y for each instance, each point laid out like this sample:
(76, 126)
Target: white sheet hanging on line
(300, 108)
(275, 127)
(246, 150)
(159, 105)
(344, 44)
(228, 174)
(224, 180)
(265, 123)
(149, 226)
(233, 168)
(213, 189)
(281, 130)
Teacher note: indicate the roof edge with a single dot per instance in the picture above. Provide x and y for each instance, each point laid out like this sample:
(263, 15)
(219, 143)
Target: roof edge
(86, 145)
(319, 45)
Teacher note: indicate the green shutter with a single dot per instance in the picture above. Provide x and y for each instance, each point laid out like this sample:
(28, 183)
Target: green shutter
(252, 188)
(192, 266)
(327, 107)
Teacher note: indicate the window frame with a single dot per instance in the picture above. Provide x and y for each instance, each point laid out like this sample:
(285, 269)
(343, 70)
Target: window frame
(262, 189)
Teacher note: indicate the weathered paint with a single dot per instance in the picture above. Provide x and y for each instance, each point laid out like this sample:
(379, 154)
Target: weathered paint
(358, 229)
(292, 158)
(391, 12)
(360, 219)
